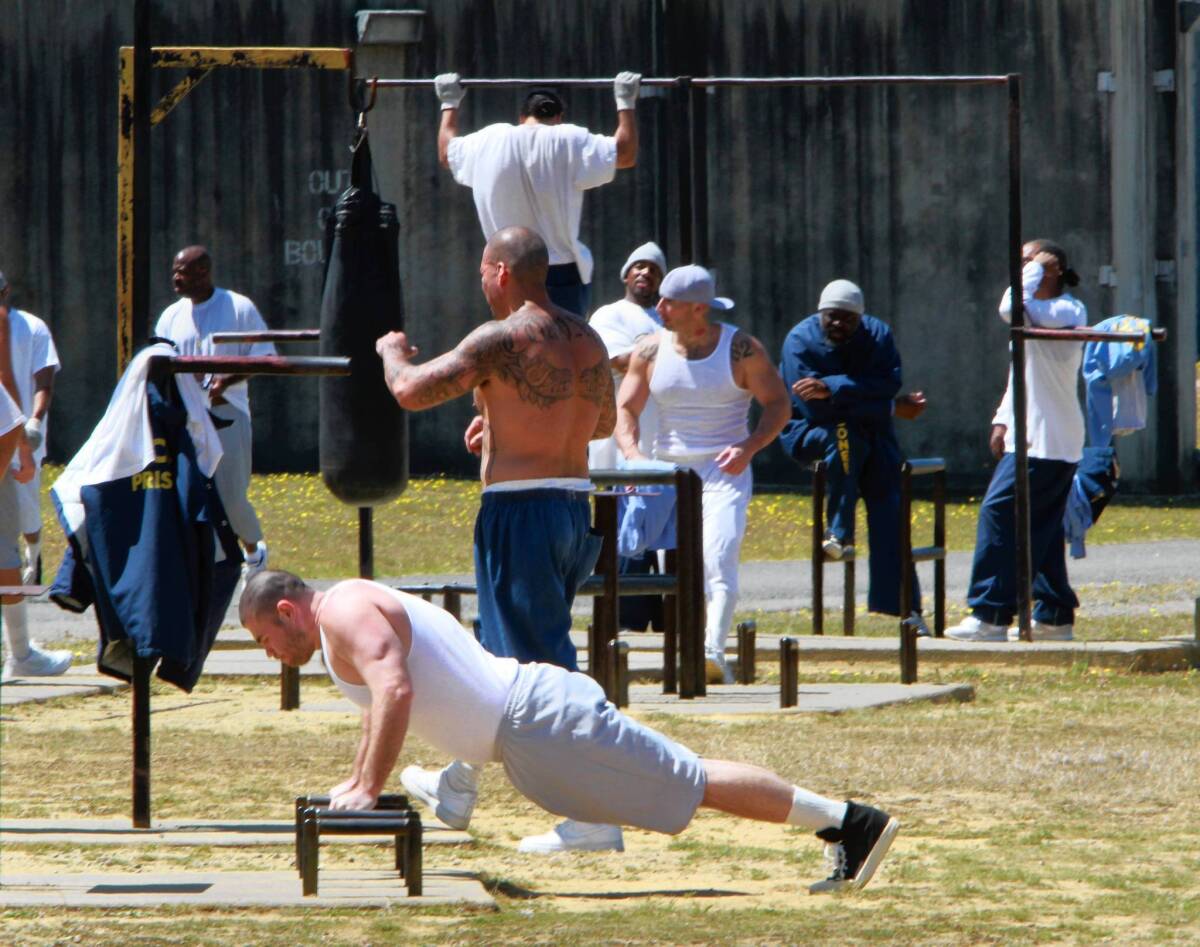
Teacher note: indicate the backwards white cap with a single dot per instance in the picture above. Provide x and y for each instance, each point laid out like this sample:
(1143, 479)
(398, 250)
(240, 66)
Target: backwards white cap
(650, 252)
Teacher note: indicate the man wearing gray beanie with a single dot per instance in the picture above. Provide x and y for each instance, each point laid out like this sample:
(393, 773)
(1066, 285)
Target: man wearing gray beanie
(843, 371)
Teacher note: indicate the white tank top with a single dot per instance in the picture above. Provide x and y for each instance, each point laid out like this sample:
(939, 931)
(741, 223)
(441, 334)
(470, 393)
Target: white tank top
(701, 410)
(459, 689)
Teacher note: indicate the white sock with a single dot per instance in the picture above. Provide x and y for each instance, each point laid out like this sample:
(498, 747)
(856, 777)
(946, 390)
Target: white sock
(810, 811)
(16, 630)
(461, 777)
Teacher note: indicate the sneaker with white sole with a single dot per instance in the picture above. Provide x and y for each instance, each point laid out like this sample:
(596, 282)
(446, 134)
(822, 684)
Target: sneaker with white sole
(37, 663)
(917, 620)
(854, 851)
(717, 669)
(832, 548)
(573, 836)
(1045, 632)
(973, 629)
(255, 561)
(452, 806)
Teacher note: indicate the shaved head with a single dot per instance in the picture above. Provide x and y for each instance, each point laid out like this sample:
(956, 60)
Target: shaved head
(191, 273)
(195, 255)
(522, 251)
(265, 588)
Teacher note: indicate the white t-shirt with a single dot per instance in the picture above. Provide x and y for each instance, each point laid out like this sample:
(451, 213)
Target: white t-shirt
(32, 350)
(1053, 418)
(534, 176)
(10, 413)
(191, 328)
(619, 326)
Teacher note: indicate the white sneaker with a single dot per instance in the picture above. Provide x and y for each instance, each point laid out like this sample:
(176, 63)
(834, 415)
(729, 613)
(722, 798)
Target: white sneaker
(832, 548)
(716, 670)
(572, 836)
(255, 561)
(1042, 631)
(972, 629)
(451, 806)
(37, 663)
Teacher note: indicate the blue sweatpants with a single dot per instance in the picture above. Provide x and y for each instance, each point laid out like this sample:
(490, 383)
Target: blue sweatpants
(565, 289)
(533, 549)
(993, 592)
(864, 464)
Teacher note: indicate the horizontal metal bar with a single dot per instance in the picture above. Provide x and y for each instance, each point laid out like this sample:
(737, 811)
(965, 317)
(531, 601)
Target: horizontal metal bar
(373, 815)
(513, 83)
(257, 364)
(705, 81)
(631, 585)
(928, 553)
(1086, 335)
(919, 466)
(270, 335)
(392, 826)
(252, 57)
(617, 478)
(770, 81)
(416, 588)
(387, 800)
(25, 591)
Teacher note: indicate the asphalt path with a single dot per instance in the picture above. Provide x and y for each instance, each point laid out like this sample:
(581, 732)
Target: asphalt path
(786, 585)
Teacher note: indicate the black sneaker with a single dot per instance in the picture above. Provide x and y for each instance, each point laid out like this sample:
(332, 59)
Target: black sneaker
(855, 850)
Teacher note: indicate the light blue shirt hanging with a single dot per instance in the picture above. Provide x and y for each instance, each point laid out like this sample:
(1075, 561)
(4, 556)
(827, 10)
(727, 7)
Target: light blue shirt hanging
(1120, 376)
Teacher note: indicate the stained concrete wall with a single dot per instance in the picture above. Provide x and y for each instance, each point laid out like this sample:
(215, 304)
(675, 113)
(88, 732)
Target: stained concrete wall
(902, 189)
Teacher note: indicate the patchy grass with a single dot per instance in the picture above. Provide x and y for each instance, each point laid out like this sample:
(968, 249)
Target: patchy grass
(430, 528)
(1059, 806)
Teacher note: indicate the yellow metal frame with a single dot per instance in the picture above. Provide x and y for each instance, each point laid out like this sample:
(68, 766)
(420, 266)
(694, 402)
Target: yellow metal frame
(199, 61)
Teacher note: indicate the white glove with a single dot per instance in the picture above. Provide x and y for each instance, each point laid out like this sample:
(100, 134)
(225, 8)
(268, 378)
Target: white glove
(33, 433)
(625, 89)
(449, 90)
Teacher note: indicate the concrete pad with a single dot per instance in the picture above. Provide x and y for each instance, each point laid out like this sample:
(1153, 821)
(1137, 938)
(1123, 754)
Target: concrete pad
(812, 698)
(263, 889)
(79, 681)
(223, 833)
(761, 698)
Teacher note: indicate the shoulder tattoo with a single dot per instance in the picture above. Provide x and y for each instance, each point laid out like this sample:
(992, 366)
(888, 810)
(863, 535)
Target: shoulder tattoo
(503, 353)
(647, 347)
(741, 347)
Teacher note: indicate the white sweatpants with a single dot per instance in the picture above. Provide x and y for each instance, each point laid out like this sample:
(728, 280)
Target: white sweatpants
(723, 507)
(232, 475)
(29, 502)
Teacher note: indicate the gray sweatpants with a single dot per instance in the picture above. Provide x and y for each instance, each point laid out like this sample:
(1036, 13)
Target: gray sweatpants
(233, 473)
(567, 748)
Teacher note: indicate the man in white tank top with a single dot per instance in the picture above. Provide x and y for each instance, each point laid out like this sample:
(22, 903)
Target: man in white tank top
(702, 376)
(411, 666)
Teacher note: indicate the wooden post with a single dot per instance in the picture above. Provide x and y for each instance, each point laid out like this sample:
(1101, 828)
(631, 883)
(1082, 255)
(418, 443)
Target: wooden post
(746, 644)
(939, 564)
(142, 668)
(605, 613)
(670, 681)
(617, 688)
(789, 673)
(289, 687)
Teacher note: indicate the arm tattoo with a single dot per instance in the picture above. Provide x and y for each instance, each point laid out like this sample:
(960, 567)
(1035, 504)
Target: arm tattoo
(647, 347)
(596, 386)
(741, 347)
(440, 380)
(504, 353)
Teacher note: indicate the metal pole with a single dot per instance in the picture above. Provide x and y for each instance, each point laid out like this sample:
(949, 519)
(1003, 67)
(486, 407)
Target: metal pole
(140, 314)
(682, 132)
(686, 578)
(697, 515)
(698, 148)
(908, 633)
(140, 686)
(605, 618)
(1024, 556)
(908, 653)
(818, 553)
(366, 544)
(671, 626)
(848, 580)
(939, 564)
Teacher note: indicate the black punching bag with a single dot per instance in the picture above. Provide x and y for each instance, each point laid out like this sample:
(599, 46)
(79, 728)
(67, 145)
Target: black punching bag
(364, 432)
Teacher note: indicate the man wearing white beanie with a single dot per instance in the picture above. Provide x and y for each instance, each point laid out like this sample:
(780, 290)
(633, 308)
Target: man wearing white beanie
(843, 371)
(620, 325)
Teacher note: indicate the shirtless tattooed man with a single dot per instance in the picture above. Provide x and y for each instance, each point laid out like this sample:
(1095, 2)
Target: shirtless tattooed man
(543, 390)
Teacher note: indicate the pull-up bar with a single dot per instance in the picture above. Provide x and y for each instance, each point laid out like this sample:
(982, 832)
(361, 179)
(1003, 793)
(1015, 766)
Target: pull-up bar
(1088, 335)
(708, 82)
(269, 335)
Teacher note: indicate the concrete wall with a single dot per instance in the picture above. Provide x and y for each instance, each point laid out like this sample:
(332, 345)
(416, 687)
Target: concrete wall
(902, 189)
